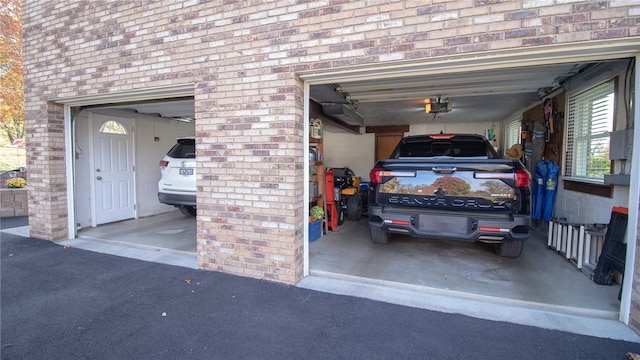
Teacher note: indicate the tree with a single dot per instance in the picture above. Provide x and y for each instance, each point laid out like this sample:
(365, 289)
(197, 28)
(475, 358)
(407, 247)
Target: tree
(453, 185)
(11, 76)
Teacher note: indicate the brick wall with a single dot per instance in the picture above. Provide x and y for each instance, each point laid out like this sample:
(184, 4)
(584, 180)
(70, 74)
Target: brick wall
(242, 57)
(13, 202)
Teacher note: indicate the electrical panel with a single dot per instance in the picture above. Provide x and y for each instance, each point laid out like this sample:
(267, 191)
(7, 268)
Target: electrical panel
(621, 142)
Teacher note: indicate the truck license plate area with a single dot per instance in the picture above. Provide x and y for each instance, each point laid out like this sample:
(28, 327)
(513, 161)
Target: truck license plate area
(454, 225)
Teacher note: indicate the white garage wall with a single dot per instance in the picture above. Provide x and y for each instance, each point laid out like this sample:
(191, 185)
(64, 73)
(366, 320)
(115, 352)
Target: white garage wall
(83, 171)
(581, 208)
(356, 152)
(148, 155)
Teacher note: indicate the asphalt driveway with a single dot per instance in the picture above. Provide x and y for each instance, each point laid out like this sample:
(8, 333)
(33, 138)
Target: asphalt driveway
(67, 303)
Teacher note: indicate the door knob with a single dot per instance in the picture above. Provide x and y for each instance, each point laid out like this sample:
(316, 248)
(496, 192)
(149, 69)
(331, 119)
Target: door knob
(99, 177)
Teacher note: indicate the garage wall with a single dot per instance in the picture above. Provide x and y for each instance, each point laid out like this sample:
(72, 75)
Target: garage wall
(358, 151)
(435, 126)
(148, 153)
(83, 170)
(581, 207)
(354, 151)
(584, 208)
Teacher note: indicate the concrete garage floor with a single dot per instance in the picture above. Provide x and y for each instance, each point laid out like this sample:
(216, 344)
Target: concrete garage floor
(539, 277)
(540, 288)
(168, 238)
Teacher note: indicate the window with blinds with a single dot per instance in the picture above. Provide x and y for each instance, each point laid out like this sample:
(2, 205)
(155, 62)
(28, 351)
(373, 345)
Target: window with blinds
(589, 122)
(512, 133)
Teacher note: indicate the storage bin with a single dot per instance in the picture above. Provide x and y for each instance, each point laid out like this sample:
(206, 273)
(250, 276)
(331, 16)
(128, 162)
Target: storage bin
(315, 230)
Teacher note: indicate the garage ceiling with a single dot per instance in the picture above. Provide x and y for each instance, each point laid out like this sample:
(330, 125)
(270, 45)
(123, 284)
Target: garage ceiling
(476, 96)
(181, 108)
(481, 96)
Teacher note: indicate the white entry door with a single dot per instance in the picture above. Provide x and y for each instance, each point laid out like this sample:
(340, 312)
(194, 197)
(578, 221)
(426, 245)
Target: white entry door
(113, 168)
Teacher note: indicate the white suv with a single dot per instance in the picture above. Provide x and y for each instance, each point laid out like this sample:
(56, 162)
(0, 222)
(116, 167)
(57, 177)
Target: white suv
(177, 185)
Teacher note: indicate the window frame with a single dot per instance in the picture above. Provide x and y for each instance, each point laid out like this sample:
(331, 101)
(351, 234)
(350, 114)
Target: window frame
(576, 138)
(113, 127)
(512, 132)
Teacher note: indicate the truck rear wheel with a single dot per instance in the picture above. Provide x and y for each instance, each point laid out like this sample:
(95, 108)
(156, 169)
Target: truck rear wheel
(378, 236)
(511, 249)
(354, 208)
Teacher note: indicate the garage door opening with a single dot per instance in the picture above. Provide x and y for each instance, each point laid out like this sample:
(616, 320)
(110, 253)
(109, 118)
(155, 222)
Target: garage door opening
(117, 151)
(483, 101)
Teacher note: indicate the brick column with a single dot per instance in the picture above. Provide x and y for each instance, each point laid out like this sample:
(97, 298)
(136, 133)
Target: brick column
(46, 174)
(250, 180)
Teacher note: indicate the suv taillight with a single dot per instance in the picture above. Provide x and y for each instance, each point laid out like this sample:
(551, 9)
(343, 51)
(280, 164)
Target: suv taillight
(375, 175)
(163, 164)
(522, 178)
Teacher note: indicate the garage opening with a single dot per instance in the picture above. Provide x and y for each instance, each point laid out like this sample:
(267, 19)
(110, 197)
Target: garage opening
(365, 113)
(124, 151)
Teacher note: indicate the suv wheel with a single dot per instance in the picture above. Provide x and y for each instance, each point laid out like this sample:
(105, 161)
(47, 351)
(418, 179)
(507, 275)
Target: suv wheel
(188, 210)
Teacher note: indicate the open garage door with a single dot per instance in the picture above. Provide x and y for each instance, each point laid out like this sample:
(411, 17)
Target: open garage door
(485, 93)
(116, 143)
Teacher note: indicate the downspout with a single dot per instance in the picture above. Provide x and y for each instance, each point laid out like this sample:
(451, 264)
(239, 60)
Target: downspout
(634, 202)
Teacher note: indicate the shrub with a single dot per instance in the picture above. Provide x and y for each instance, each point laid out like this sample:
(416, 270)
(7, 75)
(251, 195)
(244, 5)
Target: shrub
(16, 182)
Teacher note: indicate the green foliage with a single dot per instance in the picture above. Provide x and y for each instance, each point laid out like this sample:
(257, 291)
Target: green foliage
(453, 185)
(11, 74)
(317, 212)
(598, 166)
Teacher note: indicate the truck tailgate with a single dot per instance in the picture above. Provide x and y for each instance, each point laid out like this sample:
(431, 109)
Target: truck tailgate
(446, 186)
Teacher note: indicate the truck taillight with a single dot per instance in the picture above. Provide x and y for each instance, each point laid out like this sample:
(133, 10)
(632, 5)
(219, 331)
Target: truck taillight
(442, 136)
(375, 175)
(522, 178)
(163, 164)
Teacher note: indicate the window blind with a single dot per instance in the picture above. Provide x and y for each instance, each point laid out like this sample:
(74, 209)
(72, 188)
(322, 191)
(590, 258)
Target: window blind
(589, 121)
(512, 133)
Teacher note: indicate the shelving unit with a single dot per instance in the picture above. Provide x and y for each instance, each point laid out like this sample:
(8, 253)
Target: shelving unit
(316, 170)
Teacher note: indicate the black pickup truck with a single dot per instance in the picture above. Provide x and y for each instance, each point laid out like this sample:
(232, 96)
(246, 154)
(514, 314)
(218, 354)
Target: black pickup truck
(450, 186)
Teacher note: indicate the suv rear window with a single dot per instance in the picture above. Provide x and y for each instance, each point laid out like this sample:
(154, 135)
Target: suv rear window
(184, 149)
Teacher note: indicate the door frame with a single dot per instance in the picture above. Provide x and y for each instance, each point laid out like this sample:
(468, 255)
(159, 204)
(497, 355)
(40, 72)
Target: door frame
(70, 140)
(80, 103)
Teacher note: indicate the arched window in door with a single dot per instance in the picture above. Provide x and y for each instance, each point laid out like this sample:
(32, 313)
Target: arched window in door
(113, 127)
